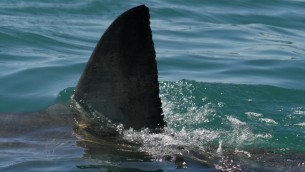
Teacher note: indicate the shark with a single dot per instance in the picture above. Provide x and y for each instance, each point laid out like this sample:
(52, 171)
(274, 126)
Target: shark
(118, 86)
(117, 90)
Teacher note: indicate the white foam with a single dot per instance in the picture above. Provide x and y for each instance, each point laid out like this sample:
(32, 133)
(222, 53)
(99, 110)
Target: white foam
(219, 149)
(268, 121)
(253, 114)
(235, 121)
(301, 124)
(170, 142)
(299, 112)
(243, 152)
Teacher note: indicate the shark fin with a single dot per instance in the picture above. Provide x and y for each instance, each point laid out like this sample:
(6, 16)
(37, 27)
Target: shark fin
(120, 81)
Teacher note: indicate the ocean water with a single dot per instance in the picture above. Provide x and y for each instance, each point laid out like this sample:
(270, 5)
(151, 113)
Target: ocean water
(232, 84)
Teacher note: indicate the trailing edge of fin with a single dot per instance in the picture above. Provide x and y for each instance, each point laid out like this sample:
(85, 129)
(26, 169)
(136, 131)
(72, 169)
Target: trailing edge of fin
(120, 80)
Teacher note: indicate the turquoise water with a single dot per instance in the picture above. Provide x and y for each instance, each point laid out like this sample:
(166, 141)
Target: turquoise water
(231, 74)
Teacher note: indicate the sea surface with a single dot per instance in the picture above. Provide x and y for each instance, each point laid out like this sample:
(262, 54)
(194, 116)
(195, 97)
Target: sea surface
(232, 84)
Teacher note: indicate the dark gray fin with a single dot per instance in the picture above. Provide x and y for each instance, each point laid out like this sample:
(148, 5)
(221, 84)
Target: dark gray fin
(120, 80)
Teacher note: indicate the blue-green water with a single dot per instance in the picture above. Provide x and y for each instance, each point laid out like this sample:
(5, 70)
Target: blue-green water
(232, 76)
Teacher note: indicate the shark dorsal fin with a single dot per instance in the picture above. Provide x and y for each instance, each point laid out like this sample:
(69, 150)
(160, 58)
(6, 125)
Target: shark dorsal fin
(120, 80)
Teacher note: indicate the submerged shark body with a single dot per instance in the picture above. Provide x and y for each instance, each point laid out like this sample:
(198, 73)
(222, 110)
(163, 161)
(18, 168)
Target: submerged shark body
(118, 89)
